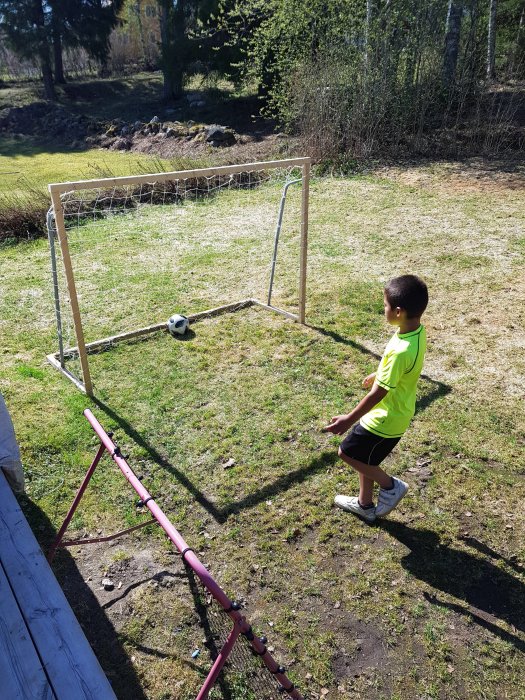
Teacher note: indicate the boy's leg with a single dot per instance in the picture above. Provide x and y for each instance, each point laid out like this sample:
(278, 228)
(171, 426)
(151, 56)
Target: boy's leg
(366, 490)
(369, 472)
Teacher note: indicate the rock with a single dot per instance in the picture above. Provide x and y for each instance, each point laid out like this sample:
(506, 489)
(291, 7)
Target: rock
(107, 584)
(122, 144)
(155, 120)
(229, 463)
(137, 126)
(124, 131)
(218, 135)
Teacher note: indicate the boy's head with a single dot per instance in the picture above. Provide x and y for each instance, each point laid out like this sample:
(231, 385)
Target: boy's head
(407, 294)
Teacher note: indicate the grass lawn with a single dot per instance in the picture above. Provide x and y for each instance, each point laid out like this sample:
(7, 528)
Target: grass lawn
(427, 604)
(26, 164)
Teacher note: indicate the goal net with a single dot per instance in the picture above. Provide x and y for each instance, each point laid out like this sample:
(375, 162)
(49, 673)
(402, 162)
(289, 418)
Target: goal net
(128, 252)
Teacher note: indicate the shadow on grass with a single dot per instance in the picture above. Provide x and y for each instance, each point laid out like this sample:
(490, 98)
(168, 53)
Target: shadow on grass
(432, 389)
(490, 594)
(283, 483)
(221, 515)
(97, 627)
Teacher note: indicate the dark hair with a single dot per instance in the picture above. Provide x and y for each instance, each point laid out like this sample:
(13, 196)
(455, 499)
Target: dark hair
(409, 293)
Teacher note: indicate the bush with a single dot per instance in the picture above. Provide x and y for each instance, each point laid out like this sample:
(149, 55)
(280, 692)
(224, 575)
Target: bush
(23, 217)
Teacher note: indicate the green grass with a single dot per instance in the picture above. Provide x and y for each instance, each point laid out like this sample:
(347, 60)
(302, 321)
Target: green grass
(26, 164)
(428, 604)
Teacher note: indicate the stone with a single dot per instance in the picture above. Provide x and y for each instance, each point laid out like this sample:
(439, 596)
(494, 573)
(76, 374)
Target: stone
(122, 144)
(107, 584)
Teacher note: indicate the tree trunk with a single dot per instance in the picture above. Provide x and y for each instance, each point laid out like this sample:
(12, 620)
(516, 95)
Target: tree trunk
(43, 51)
(57, 53)
(516, 46)
(368, 24)
(452, 37)
(47, 76)
(137, 7)
(491, 41)
(172, 30)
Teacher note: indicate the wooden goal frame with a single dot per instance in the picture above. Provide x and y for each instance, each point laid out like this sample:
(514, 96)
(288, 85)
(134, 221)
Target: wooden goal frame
(82, 348)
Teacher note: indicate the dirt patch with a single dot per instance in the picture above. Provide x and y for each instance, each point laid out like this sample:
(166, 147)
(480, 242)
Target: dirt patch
(470, 175)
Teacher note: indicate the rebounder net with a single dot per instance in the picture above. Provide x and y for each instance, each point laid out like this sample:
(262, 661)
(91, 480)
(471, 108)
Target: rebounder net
(127, 253)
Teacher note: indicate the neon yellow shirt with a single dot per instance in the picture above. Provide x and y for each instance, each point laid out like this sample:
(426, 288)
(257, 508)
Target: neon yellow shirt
(398, 373)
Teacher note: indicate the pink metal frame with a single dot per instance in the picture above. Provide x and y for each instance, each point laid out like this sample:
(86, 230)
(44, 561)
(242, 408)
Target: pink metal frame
(240, 624)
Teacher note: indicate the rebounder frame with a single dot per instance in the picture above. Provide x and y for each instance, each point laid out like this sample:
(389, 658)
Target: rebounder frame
(82, 348)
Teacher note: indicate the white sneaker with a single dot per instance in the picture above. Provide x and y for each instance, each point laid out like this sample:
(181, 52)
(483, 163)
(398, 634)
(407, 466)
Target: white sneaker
(388, 500)
(351, 504)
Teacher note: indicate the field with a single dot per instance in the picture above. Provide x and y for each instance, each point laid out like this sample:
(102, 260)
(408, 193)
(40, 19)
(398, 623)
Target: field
(224, 427)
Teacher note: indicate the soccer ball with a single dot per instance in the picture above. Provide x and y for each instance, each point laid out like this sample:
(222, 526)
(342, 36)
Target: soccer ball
(178, 325)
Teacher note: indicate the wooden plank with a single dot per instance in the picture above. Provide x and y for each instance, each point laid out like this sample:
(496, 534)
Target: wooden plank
(59, 187)
(129, 335)
(304, 242)
(67, 658)
(21, 673)
(72, 290)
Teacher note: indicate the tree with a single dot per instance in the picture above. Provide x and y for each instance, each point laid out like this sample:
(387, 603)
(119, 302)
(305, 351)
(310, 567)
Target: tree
(179, 20)
(84, 23)
(34, 27)
(491, 41)
(26, 26)
(452, 39)
(173, 37)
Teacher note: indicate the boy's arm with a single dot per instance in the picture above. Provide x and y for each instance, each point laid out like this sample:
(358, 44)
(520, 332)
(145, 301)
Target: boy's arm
(340, 424)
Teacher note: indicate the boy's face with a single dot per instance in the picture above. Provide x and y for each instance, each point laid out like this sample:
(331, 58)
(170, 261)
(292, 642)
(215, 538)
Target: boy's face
(392, 315)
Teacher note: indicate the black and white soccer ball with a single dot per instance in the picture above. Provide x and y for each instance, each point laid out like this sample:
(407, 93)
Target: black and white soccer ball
(178, 325)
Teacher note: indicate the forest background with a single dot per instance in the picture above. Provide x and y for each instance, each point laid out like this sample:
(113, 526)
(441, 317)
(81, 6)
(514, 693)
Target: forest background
(353, 79)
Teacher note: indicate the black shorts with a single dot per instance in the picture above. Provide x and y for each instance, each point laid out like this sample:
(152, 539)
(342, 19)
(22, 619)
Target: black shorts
(364, 446)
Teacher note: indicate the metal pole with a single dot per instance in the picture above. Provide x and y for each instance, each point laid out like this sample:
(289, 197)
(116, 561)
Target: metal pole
(277, 233)
(51, 238)
(241, 625)
(76, 501)
(219, 663)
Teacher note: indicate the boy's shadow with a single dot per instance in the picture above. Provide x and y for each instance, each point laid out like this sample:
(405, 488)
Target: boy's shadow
(490, 594)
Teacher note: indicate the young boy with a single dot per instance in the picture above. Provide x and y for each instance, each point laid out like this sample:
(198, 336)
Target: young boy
(385, 412)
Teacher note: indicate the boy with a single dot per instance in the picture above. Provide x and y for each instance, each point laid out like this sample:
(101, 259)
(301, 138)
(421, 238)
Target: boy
(385, 412)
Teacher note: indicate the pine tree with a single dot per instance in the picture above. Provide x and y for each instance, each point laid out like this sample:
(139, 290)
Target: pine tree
(26, 25)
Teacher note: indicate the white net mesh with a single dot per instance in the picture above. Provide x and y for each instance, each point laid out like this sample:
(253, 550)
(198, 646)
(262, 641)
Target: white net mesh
(143, 251)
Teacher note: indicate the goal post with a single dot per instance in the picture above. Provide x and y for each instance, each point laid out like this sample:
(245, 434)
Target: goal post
(127, 252)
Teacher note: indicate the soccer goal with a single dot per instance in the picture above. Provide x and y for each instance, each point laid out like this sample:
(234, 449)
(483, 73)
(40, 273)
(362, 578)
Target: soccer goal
(128, 252)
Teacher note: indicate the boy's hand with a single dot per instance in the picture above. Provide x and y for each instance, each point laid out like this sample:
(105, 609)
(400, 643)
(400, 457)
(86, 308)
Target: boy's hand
(368, 381)
(338, 425)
